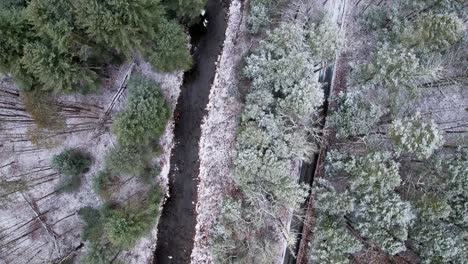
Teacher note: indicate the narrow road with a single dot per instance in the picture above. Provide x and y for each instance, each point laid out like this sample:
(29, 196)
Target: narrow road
(176, 228)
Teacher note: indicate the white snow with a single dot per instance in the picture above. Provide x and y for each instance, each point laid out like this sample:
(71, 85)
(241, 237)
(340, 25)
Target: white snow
(96, 140)
(219, 133)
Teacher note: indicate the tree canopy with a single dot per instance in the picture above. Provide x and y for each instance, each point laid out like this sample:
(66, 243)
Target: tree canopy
(275, 129)
(145, 114)
(62, 46)
(417, 136)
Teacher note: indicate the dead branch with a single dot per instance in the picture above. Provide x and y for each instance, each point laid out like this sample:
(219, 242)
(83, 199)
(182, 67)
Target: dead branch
(49, 230)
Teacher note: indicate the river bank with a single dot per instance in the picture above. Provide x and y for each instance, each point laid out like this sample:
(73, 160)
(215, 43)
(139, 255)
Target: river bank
(176, 228)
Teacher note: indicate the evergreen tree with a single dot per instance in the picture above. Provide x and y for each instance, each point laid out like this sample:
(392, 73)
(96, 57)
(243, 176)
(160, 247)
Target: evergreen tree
(145, 115)
(453, 173)
(264, 176)
(230, 232)
(437, 235)
(324, 40)
(104, 182)
(432, 208)
(123, 25)
(439, 242)
(92, 230)
(56, 45)
(332, 242)
(12, 4)
(260, 14)
(57, 71)
(125, 225)
(169, 52)
(373, 173)
(186, 10)
(285, 66)
(127, 159)
(385, 219)
(431, 6)
(99, 253)
(15, 33)
(53, 21)
(284, 95)
(393, 67)
(415, 135)
(355, 116)
(138, 127)
(328, 200)
(432, 32)
(379, 214)
(71, 164)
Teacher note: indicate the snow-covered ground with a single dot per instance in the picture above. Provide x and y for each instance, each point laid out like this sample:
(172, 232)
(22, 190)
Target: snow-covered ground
(170, 86)
(219, 129)
(19, 158)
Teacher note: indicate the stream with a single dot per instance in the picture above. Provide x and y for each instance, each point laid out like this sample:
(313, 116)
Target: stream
(176, 228)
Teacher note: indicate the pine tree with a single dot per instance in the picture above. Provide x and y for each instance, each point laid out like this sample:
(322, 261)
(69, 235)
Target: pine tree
(92, 230)
(186, 10)
(391, 66)
(385, 219)
(145, 115)
(355, 116)
(324, 40)
(379, 214)
(125, 225)
(453, 173)
(71, 164)
(416, 136)
(432, 208)
(259, 15)
(169, 52)
(432, 32)
(328, 200)
(284, 65)
(332, 241)
(13, 4)
(127, 159)
(373, 173)
(264, 176)
(15, 35)
(57, 71)
(121, 24)
(284, 95)
(439, 242)
(62, 46)
(53, 21)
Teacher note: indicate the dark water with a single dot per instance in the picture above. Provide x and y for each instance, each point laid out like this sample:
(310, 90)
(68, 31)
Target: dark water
(176, 228)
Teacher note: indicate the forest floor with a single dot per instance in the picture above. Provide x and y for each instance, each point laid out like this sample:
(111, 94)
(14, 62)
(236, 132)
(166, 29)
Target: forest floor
(177, 222)
(219, 130)
(25, 158)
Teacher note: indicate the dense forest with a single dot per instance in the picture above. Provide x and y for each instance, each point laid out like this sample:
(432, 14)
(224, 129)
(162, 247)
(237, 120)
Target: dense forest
(332, 131)
(392, 188)
(65, 46)
(51, 49)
